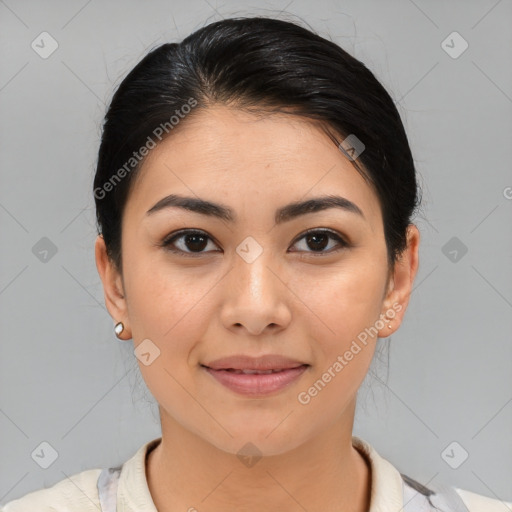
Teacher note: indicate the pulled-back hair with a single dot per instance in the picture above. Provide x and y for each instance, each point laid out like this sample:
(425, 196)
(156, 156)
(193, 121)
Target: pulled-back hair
(261, 65)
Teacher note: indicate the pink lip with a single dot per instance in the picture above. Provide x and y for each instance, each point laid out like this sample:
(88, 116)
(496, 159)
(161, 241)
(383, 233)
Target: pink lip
(257, 384)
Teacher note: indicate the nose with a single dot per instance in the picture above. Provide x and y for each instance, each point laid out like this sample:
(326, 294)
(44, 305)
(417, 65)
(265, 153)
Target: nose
(256, 296)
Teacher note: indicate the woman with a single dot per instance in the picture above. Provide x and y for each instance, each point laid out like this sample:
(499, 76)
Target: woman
(254, 194)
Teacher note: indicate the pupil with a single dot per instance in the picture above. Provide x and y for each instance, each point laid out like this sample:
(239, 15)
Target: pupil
(315, 237)
(195, 237)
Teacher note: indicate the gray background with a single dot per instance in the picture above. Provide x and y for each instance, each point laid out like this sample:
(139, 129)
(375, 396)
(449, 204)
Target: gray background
(66, 380)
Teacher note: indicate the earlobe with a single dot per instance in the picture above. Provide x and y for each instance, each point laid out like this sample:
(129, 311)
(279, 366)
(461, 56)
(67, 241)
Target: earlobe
(401, 283)
(112, 284)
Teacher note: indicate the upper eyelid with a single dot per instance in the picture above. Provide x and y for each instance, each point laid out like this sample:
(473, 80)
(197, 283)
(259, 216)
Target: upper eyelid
(187, 231)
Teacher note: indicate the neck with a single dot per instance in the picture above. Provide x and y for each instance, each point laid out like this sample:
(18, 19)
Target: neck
(327, 473)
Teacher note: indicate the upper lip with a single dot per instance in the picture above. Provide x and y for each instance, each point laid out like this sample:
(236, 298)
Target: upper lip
(244, 362)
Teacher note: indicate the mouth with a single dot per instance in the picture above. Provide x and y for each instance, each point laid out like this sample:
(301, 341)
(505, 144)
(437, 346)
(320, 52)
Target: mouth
(256, 382)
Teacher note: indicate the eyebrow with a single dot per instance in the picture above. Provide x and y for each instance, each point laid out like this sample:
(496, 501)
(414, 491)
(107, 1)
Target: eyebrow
(283, 214)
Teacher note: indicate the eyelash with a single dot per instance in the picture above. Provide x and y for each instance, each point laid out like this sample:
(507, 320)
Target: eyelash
(180, 234)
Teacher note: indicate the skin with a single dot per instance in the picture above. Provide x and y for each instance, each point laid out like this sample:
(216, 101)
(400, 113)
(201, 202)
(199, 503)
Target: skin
(290, 301)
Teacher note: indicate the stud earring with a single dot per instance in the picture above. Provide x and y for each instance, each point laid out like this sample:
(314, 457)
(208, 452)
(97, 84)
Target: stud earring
(118, 329)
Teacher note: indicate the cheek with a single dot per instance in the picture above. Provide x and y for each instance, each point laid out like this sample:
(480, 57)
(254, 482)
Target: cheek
(167, 307)
(345, 299)
(162, 308)
(347, 304)
(164, 299)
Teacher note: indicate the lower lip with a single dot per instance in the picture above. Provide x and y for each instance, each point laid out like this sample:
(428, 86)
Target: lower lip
(257, 384)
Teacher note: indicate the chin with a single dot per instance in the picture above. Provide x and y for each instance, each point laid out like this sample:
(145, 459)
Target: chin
(259, 442)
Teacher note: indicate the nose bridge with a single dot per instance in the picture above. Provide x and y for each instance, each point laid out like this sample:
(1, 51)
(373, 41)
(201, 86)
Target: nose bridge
(255, 297)
(252, 274)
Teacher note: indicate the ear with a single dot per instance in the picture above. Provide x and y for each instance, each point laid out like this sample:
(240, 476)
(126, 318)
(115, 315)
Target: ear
(112, 287)
(400, 284)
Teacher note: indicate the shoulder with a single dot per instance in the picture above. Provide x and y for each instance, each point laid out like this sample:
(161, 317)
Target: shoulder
(80, 492)
(448, 498)
(479, 503)
(77, 493)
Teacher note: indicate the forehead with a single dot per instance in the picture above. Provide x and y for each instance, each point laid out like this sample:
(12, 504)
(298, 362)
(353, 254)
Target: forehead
(243, 159)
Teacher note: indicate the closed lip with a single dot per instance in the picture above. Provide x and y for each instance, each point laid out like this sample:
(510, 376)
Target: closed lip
(244, 362)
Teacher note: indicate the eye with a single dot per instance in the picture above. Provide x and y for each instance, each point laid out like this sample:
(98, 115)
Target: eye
(318, 240)
(193, 242)
(187, 239)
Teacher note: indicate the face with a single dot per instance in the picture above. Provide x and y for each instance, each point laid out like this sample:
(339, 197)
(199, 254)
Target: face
(309, 285)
